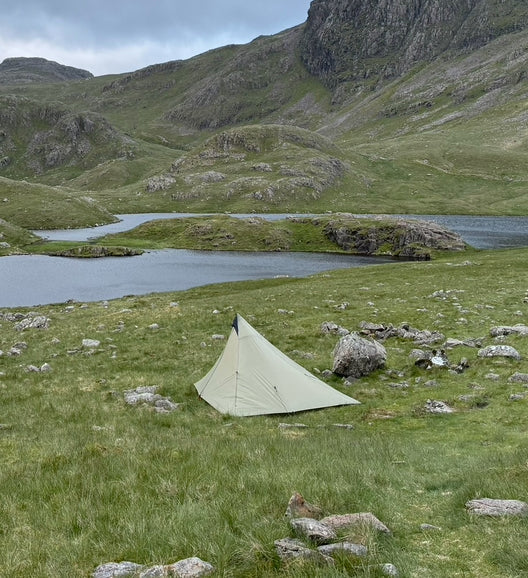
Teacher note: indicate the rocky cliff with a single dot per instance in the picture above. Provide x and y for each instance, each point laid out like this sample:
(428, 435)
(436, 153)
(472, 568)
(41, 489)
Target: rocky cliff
(29, 70)
(354, 40)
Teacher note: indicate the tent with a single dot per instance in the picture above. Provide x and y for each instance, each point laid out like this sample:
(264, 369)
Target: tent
(252, 377)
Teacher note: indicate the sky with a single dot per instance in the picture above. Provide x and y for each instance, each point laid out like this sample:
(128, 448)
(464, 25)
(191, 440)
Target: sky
(116, 36)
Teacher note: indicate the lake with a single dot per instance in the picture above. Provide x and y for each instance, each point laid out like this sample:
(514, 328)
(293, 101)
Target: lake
(27, 280)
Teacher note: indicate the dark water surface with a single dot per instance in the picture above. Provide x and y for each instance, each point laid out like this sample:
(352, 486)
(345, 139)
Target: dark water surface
(27, 280)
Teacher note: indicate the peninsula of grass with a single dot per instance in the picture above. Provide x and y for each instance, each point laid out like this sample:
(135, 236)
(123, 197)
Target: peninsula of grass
(86, 479)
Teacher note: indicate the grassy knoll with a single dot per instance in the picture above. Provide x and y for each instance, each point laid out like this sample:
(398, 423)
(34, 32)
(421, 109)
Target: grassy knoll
(328, 233)
(85, 479)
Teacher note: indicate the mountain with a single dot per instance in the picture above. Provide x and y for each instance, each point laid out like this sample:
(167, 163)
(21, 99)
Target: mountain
(25, 70)
(410, 106)
(361, 39)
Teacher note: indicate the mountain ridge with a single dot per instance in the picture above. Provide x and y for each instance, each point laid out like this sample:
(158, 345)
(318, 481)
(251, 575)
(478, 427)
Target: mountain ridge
(447, 133)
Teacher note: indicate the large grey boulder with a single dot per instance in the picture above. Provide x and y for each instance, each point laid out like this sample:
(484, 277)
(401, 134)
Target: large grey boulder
(496, 508)
(355, 356)
(500, 351)
(313, 530)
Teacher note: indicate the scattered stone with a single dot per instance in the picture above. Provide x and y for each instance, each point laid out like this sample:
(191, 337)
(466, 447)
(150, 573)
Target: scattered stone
(493, 507)
(37, 322)
(165, 405)
(292, 426)
(344, 548)
(117, 570)
(404, 331)
(389, 570)
(314, 530)
(91, 343)
(431, 383)
(451, 343)
(153, 326)
(433, 406)
(349, 521)
(147, 395)
(190, 568)
(518, 378)
(32, 369)
(285, 312)
(344, 425)
(355, 356)
(517, 396)
(290, 549)
(298, 507)
(503, 330)
(327, 374)
(217, 337)
(329, 327)
(500, 351)
(492, 376)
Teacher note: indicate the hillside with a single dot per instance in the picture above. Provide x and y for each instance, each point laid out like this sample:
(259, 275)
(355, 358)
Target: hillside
(422, 106)
(29, 70)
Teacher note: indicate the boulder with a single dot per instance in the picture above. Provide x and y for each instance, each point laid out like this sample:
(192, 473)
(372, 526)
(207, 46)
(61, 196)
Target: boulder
(355, 356)
(290, 549)
(500, 351)
(503, 330)
(37, 322)
(434, 406)
(349, 521)
(117, 570)
(492, 507)
(313, 530)
(190, 568)
(518, 378)
(344, 548)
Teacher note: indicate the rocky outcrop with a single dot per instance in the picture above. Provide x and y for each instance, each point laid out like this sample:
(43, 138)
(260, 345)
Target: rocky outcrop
(29, 70)
(354, 40)
(95, 251)
(408, 239)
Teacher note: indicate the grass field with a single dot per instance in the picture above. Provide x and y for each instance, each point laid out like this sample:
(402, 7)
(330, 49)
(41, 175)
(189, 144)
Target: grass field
(86, 479)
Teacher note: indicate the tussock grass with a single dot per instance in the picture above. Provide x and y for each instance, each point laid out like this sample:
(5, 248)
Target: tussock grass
(85, 479)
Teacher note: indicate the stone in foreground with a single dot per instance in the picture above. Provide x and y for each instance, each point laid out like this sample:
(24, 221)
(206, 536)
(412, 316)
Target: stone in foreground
(492, 507)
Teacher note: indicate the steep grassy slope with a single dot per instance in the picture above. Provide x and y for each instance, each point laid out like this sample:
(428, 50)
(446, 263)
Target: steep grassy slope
(35, 206)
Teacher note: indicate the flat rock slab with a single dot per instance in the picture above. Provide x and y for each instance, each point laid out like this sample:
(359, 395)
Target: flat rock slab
(491, 507)
(344, 548)
(348, 521)
(291, 549)
(313, 530)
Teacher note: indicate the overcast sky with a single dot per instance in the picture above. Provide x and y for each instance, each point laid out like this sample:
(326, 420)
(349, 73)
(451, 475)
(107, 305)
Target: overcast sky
(114, 36)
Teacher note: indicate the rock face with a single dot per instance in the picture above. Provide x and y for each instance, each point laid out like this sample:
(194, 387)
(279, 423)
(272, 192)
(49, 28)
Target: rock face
(355, 356)
(410, 239)
(353, 40)
(29, 70)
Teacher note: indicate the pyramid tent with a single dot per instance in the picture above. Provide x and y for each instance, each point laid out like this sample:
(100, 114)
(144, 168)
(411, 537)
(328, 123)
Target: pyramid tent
(252, 377)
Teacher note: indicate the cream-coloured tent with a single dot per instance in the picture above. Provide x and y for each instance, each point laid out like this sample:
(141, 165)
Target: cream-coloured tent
(252, 377)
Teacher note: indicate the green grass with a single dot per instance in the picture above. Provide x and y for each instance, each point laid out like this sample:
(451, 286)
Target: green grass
(84, 479)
